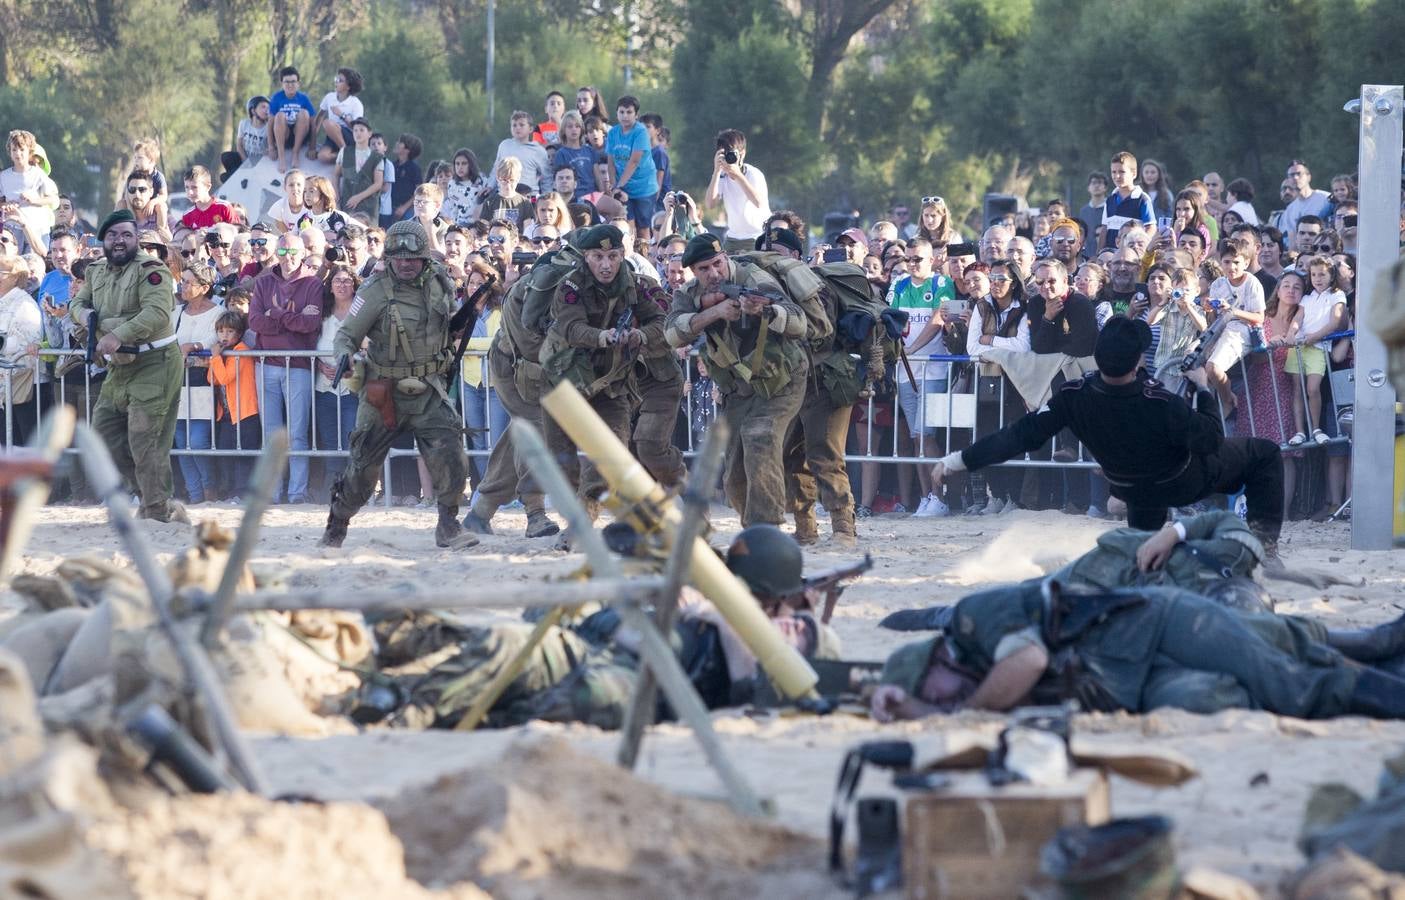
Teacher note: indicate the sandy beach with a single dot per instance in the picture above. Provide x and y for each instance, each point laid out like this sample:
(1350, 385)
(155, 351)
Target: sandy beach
(1240, 816)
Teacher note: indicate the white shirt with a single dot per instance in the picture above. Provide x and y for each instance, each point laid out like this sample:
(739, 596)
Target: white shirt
(39, 218)
(974, 347)
(279, 212)
(745, 220)
(351, 108)
(198, 328)
(1248, 297)
(1317, 312)
(388, 170)
(20, 323)
(1317, 203)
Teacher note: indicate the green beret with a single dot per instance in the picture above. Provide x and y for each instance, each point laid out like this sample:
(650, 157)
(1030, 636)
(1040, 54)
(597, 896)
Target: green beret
(909, 663)
(702, 248)
(601, 237)
(117, 217)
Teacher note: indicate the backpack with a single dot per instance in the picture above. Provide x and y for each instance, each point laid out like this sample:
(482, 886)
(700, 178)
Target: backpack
(858, 311)
(802, 286)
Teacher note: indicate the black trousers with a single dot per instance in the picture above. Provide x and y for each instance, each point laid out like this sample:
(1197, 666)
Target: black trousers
(1254, 465)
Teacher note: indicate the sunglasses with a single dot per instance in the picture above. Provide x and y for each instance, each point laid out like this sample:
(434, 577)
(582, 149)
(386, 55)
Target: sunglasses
(928, 201)
(138, 190)
(288, 251)
(258, 242)
(543, 241)
(187, 254)
(223, 245)
(1000, 279)
(497, 239)
(914, 260)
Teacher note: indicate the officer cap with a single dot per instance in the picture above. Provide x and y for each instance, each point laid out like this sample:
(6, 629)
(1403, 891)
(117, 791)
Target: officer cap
(600, 237)
(1240, 594)
(406, 240)
(908, 665)
(1120, 345)
(768, 560)
(780, 237)
(701, 248)
(116, 217)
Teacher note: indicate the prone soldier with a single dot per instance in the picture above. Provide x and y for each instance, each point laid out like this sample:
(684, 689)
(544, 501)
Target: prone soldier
(405, 312)
(754, 352)
(127, 303)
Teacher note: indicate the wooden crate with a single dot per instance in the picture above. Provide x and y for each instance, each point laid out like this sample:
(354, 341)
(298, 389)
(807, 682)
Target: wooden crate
(970, 840)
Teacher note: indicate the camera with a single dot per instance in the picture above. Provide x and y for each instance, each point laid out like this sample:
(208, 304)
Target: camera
(523, 258)
(335, 254)
(729, 156)
(836, 254)
(219, 288)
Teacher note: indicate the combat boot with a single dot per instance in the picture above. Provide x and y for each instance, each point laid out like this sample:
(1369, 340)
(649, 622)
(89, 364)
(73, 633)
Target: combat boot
(842, 524)
(1370, 644)
(539, 524)
(449, 534)
(1378, 695)
(336, 531)
(476, 524)
(806, 529)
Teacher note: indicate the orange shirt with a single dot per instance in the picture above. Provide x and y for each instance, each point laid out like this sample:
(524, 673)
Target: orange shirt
(239, 377)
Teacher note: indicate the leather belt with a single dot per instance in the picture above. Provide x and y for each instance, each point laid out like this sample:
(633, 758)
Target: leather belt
(146, 348)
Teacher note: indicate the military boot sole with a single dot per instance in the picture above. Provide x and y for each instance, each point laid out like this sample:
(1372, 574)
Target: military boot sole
(545, 528)
(331, 540)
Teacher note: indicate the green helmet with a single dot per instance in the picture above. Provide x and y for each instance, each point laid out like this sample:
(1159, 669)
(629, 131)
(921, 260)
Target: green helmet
(768, 560)
(406, 240)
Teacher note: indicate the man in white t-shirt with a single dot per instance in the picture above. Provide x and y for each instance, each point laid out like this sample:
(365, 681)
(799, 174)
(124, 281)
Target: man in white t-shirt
(335, 114)
(1306, 201)
(741, 189)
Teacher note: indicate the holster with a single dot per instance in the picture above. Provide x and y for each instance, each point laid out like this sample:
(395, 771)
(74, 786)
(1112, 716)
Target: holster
(380, 393)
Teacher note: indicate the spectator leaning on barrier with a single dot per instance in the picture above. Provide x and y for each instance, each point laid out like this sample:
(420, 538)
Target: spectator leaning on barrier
(286, 312)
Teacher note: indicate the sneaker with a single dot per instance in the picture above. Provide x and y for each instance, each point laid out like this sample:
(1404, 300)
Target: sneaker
(994, 507)
(922, 507)
(1010, 506)
(1096, 512)
(898, 507)
(932, 508)
(863, 512)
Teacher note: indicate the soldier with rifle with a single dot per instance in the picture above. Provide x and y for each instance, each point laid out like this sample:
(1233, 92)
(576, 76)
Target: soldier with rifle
(754, 349)
(408, 314)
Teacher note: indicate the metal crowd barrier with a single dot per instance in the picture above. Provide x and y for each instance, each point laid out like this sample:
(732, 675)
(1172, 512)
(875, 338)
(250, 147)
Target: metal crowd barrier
(955, 418)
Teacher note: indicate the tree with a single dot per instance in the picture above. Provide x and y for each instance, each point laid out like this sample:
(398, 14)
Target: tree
(229, 43)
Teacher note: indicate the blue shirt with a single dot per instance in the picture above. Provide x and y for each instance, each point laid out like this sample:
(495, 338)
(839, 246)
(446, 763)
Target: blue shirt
(582, 162)
(1119, 211)
(662, 164)
(621, 146)
(57, 284)
(289, 106)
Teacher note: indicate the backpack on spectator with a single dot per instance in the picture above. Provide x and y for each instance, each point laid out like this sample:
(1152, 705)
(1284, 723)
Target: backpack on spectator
(802, 286)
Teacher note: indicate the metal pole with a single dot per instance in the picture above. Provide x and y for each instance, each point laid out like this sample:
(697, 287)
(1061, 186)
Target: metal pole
(1373, 434)
(492, 53)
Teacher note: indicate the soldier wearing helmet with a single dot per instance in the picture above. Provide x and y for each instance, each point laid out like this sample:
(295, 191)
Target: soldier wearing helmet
(403, 317)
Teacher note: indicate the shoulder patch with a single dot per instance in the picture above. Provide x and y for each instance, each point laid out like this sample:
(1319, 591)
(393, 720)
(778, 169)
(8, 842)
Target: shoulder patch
(356, 303)
(154, 278)
(570, 291)
(152, 263)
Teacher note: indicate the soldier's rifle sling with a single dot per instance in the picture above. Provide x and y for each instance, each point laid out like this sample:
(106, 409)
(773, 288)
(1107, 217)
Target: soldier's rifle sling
(463, 321)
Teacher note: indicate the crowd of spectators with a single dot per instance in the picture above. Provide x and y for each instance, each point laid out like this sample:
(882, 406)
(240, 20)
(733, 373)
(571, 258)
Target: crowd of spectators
(1033, 283)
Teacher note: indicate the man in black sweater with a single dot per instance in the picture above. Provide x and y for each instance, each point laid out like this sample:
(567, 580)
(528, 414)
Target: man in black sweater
(1156, 450)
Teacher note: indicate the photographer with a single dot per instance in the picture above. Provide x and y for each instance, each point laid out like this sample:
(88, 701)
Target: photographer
(742, 191)
(351, 250)
(681, 215)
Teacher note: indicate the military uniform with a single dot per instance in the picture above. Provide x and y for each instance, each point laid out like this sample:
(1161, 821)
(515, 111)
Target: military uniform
(1153, 647)
(136, 408)
(1217, 545)
(759, 365)
(658, 387)
(582, 310)
(404, 388)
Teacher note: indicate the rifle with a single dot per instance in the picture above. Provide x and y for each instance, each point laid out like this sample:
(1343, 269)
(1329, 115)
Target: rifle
(92, 346)
(343, 366)
(463, 321)
(829, 584)
(623, 324)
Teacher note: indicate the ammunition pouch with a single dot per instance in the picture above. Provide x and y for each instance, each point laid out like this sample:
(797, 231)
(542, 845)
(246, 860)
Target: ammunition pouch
(771, 375)
(528, 376)
(839, 375)
(571, 364)
(380, 393)
(412, 386)
(419, 370)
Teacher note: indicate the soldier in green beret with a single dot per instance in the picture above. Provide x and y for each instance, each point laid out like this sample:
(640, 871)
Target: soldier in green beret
(127, 300)
(753, 346)
(604, 320)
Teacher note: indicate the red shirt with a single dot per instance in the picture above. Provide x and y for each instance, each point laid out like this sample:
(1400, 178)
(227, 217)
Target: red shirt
(546, 133)
(218, 211)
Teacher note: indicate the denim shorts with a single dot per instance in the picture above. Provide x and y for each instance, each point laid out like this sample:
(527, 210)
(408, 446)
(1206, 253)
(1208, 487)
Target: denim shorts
(641, 211)
(914, 407)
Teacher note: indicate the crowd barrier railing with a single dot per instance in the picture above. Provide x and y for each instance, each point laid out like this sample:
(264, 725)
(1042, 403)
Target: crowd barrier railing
(954, 407)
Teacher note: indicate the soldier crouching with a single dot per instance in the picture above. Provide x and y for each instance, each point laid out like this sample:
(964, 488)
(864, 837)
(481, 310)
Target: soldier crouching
(405, 313)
